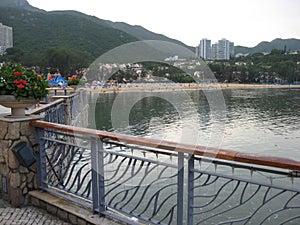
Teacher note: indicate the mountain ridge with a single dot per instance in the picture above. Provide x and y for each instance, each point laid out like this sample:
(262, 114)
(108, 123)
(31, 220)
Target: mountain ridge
(18, 4)
(36, 30)
(290, 44)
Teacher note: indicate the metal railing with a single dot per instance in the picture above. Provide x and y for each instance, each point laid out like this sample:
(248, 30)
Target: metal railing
(140, 180)
(69, 109)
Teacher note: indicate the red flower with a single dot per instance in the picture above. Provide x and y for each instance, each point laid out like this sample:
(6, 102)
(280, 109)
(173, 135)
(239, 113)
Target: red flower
(23, 81)
(20, 86)
(17, 73)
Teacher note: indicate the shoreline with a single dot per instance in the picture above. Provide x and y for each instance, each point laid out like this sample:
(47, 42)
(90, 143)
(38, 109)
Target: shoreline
(176, 86)
(171, 87)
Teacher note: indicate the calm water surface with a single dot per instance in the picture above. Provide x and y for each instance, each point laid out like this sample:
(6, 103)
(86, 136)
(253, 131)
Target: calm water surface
(263, 121)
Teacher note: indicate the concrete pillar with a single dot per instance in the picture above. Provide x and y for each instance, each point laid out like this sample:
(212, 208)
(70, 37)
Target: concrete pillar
(16, 180)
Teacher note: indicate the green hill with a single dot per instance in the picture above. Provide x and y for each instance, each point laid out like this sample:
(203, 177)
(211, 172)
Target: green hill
(18, 4)
(36, 32)
(290, 45)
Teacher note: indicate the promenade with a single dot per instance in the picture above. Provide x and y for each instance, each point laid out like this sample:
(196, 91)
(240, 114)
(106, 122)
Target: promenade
(26, 215)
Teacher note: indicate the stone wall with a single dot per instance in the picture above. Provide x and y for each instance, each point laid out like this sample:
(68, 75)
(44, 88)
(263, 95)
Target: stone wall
(16, 180)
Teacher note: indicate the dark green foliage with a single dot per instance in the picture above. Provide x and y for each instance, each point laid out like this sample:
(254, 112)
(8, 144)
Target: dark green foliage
(37, 32)
(69, 34)
(276, 67)
(67, 60)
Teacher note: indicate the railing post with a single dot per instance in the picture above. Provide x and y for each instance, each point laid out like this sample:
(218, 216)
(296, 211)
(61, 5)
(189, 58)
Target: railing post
(180, 186)
(191, 176)
(41, 160)
(98, 175)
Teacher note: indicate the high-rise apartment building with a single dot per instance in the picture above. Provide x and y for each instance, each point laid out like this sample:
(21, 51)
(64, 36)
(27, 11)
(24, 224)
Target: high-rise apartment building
(214, 51)
(6, 38)
(205, 49)
(225, 49)
(222, 50)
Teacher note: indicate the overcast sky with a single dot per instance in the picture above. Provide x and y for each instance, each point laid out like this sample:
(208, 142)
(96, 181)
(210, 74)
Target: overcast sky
(245, 22)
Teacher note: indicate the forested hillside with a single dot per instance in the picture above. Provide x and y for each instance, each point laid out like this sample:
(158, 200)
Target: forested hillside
(70, 38)
(37, 33)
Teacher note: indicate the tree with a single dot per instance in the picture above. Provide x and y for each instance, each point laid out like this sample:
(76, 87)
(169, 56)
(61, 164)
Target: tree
(13, 54)
(286, 70)
(65, 60)
(277, 52)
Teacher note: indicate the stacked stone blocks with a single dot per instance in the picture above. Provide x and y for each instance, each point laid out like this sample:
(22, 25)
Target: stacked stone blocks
(16, 180)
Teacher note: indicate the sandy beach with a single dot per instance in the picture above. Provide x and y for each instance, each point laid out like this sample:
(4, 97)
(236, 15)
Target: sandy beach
(176, 86)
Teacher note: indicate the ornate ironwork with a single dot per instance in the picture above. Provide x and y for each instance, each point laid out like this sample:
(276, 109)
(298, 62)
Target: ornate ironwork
(159, 186)
(248, 195)
(55, 113)
(141, 183)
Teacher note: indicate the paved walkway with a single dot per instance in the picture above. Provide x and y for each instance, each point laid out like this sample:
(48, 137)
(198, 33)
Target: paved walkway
(26, 215)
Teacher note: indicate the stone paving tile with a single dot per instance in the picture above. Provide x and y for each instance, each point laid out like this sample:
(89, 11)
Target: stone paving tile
(27, 215)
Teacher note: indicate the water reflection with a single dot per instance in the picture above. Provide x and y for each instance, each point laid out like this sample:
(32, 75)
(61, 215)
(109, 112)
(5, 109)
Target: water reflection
(264, 121)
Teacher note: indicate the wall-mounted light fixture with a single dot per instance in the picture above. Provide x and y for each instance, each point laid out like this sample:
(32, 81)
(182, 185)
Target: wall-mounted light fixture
(24, 153)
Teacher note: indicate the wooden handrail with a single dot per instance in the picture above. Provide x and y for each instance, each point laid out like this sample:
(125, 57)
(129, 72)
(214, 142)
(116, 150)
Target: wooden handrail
(230, 155)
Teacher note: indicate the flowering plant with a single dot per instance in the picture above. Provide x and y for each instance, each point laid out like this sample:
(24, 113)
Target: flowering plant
(73, 80)
(16, 80)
